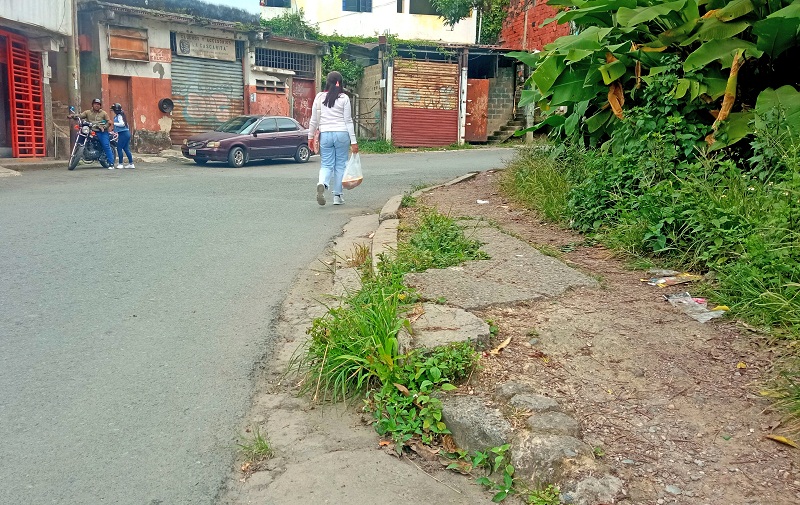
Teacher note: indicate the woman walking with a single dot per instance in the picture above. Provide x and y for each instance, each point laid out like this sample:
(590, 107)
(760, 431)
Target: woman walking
(121, 127)
(331, 115)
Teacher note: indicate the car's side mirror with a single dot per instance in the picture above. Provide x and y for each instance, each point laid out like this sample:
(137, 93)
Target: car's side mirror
(255, 134)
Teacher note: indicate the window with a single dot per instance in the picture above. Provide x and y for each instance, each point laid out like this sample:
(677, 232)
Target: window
(271, 85)
(128, 44)
(302, 64)
(276, 3)
(286, 125)
(422, 7)
(357, 5)
(400, 6)
(267, 126)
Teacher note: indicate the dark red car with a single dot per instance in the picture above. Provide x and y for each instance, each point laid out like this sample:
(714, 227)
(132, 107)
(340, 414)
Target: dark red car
(247, 138)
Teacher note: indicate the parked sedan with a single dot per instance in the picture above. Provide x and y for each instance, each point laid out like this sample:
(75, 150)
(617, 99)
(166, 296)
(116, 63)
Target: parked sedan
(247, 138)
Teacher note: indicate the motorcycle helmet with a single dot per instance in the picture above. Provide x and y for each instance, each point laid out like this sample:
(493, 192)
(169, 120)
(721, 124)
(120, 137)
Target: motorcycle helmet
(97, 100)
(117, 108)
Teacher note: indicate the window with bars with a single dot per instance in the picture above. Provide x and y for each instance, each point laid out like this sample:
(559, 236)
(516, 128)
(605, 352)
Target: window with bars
(357, 5)
(276, 3)
(301, 64)
(270, 86)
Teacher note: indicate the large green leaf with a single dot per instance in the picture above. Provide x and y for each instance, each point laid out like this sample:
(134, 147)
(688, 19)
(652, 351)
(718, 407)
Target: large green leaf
(588, 39)
(734, 10)
(547, 72)
(593, 10)
(779, 31)
(678, 34)
(712, 28)
(528, 96)
(732, 130)
(786, 99)
(714, 50)
(612, 71)
(639, 15)
(597, 121)
(570, 88)
(574, 119)
(530, 59)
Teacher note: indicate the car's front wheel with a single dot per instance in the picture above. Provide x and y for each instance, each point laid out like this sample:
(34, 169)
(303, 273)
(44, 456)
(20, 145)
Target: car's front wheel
(303, 154)
(237, 157)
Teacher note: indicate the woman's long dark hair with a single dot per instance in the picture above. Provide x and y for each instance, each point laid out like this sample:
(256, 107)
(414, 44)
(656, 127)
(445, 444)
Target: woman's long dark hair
(333, 85)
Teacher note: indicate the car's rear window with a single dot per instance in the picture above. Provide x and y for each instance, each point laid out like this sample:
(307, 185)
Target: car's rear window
(238, 124)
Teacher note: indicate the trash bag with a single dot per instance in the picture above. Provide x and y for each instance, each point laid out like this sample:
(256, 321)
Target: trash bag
(353, 176)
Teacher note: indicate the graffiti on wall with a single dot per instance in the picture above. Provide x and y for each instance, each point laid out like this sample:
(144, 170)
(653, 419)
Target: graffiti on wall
(428, 97)
(204, 103)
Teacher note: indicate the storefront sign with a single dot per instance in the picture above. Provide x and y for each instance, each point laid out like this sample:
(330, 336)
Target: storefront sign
(206, 47)
(160, 55)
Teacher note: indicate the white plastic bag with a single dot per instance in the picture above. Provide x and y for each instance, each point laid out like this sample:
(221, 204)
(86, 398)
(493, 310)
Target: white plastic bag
(353, 176)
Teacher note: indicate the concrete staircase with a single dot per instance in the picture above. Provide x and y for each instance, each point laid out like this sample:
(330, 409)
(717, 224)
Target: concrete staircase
(507, 130)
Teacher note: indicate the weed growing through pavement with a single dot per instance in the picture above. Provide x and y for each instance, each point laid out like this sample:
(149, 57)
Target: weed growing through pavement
(254, 449)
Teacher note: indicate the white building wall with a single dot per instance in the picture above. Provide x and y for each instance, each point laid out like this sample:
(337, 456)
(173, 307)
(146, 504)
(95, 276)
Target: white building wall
(384, 18)
(54, 16)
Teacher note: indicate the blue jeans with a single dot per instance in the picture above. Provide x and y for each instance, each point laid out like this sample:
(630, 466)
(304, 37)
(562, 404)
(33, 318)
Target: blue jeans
(103, 138)
(122, 145)
(334, 150)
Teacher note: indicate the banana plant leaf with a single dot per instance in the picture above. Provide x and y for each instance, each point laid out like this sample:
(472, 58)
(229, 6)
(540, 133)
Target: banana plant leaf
(734, 10)
(779, 31)
(732, 130)
(714, 50)
(787, 100)
(631, 17)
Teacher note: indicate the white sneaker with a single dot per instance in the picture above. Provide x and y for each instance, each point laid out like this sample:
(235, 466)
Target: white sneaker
(111, 167)
(321, 194)
(119, 165)
(338, 200)
(129, 165)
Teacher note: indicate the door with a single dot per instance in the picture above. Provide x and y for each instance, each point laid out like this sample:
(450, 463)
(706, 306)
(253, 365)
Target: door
(26, 103)
(289, 137)
(206, 94)
(477, 110)
(425, 103)
(263, 144)
(303, 93)
(119, 91)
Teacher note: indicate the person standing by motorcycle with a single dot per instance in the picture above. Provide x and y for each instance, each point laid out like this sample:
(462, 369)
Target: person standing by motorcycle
(121, 127)
(101, 124)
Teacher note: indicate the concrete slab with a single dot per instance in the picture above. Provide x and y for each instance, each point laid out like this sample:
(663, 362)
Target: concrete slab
(391, 207)
(385, 239)
(442, 325)
(6, 172)
(515, 273)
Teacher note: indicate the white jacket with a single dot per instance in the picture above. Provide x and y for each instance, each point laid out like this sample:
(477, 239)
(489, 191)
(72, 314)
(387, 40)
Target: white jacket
(332, 119)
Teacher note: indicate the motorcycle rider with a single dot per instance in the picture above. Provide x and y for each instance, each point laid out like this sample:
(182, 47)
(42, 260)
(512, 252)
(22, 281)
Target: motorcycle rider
(96, 115)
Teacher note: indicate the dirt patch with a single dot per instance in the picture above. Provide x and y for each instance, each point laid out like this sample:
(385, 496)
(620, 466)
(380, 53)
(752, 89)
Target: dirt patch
(670, 403)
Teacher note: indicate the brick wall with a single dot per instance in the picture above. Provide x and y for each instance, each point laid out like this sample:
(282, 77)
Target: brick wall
(516, 35)
(501, 99)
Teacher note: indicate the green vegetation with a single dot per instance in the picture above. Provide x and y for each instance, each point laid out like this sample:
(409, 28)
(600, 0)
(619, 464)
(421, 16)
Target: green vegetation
(376, 146)
(679, 144)
(353, 350)
(255, 448)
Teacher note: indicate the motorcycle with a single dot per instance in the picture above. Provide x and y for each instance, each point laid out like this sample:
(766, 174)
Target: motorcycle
(87, 148)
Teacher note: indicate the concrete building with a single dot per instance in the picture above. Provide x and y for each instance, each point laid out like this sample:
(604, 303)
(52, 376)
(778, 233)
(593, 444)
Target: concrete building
(177, 74)
(34, 78)
(407, 19)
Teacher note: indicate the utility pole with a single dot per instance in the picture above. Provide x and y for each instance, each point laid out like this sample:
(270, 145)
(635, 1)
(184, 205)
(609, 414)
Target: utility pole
(72, 60)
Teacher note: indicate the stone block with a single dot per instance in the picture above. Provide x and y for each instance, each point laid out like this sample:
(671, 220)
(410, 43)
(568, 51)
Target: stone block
(474, 426)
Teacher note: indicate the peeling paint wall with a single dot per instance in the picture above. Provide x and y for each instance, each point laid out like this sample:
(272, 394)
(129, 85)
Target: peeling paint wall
(268, 103)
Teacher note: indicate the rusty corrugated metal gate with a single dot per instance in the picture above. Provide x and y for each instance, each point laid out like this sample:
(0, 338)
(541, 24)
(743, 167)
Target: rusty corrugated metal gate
(206, 93)
(424, 103)
(25, 95)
